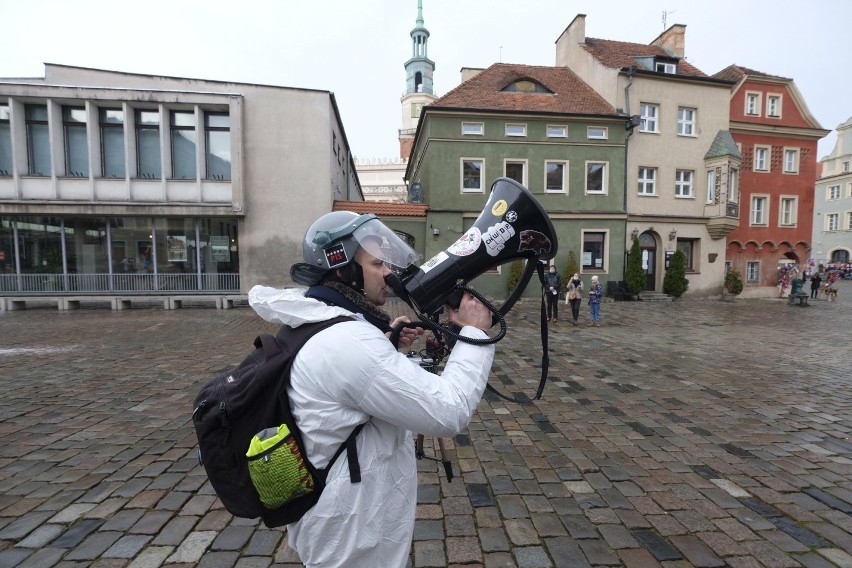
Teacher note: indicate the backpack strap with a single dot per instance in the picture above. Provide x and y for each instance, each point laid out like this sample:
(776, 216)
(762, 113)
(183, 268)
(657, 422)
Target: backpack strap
(302, 334)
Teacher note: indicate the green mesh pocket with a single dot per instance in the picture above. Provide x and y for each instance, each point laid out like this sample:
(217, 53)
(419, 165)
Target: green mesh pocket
(276, 467)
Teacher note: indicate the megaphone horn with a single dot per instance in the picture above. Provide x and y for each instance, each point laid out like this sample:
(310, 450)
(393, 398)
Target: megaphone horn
(512, 225)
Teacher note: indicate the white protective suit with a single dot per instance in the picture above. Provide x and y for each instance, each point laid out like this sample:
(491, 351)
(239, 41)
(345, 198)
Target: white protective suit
(349, 374)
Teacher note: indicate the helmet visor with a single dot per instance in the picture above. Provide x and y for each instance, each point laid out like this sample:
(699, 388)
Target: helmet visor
(383, 243)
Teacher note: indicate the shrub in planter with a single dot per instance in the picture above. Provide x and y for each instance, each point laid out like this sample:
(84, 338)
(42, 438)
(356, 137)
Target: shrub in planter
(675, 282)
(634, 276)
(733, 282)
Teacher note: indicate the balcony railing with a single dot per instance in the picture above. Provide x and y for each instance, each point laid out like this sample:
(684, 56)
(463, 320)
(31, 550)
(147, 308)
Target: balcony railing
(125, 283)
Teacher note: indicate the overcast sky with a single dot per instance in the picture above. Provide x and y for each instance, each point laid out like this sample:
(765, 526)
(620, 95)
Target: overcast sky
(357, 48)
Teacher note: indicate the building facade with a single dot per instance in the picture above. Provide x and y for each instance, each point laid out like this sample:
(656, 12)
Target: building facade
(677, 188)
(118, 183)
(546, 129)
(832, 228)
(777, 136)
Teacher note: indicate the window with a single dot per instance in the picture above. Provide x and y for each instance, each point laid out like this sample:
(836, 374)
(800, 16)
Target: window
(526, 86)
(758, 209)
(472, 170)
(752, 104)
(683, 183)
(557, 131)
(669, 68)
(5, 142)
(833, 192)
(849, 189)
(752, 272)
(217, 132)
(787, 212)
(516, 170)
(831, 222)
(791, 161)
(596, 133)
(183, 144)
(648, 117)
(647, 181)
(687, 247)
(733, 186)
(38, 140)
(76, 147)
(112, 142)
(686, 121)
(472, 128)
(148, 144)
(761, 158)
(516, 130)
(849, 221)
(555, 177)
(773, 106)
(846, 166)
(593, 251)
(711, 183)
(596, 177)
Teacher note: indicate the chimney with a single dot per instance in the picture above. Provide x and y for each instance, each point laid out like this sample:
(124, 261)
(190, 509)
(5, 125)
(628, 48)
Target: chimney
(470, 73)
(672, 41)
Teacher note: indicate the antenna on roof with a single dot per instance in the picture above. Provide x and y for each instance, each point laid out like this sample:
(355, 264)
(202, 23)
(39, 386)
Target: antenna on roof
(664, 17)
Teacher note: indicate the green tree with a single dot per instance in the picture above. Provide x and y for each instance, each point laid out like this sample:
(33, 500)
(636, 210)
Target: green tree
(733, 282)
(634, 276)
(516, 271)
(675, 282)
(570, 269)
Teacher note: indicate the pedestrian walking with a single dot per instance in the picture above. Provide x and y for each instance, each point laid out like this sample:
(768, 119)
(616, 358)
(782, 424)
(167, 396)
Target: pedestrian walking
(816, 280)
(574, 296)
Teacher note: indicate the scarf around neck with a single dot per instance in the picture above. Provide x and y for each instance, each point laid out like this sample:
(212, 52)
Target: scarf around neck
(346, 297)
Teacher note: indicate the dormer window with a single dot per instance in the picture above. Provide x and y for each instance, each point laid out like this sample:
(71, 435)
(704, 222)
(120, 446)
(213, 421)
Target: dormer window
(665, 67)
(527, 86)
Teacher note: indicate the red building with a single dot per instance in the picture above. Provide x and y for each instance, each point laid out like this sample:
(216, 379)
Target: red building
(777, 136)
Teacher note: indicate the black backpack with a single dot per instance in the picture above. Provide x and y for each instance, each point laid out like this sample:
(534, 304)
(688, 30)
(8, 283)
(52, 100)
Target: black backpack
(249, 407)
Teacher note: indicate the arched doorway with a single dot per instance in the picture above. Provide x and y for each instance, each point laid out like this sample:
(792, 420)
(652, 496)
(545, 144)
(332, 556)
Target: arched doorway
(648, 246)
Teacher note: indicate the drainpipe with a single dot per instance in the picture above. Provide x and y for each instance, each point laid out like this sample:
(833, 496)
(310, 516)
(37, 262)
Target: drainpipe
(629, 125)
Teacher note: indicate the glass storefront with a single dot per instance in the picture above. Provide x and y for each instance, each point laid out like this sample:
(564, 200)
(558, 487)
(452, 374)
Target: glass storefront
(93, 254)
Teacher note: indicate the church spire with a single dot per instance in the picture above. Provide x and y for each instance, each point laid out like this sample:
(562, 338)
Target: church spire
(419, 68)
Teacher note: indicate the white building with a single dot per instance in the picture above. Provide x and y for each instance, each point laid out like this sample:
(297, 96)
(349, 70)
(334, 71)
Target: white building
(833, 202)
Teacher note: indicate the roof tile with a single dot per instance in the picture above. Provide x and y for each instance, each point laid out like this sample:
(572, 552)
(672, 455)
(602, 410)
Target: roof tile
(570, 94)
(382, 209)
(621, 54)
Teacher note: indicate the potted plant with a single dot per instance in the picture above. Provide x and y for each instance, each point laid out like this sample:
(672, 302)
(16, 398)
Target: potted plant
(634, 276)
(733, 285)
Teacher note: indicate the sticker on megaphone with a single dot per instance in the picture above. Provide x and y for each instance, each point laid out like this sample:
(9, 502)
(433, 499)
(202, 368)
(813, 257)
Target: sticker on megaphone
(496, 236)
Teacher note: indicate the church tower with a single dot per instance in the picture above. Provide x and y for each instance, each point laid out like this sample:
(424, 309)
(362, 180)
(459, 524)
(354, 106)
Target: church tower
(418, 83)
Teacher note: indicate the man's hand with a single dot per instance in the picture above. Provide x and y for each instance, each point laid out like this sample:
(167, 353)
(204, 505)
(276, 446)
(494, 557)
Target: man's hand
(471, 312)
(408, 334)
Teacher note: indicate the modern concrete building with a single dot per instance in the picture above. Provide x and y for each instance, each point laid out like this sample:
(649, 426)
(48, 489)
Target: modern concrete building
(118, 183)
(832, 228)
(777, 136)
(677, 188)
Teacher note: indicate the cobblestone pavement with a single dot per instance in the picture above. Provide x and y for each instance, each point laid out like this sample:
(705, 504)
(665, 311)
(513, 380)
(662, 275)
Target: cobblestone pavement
(692, 433)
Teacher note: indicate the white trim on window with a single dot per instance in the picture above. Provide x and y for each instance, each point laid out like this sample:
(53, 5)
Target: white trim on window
(759, 211)
(832, 193)
(557, 131)
(472, 173)
(773, 105)
(683, 184)
(752, 103)
(753, 271)
(604, 177)
(686, 121)
(597, 132)
(788, 211)
(649, 115)
(516, 162)
(516, 129)
(791, 160)
(711, 184)
(472, 128)
(762, 158)
(647, 181)
(556, 181)
(832, 222)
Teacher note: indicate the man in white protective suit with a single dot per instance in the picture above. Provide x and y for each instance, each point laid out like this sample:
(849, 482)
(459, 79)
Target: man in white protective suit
(350, 373)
